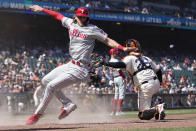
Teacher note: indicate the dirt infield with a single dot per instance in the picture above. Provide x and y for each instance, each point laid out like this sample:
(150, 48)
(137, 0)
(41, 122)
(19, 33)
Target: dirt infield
(186, 120)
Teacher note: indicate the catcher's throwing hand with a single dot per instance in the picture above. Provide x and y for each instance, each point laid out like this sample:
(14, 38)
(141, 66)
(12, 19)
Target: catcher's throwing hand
(130, 49)
(36, 8)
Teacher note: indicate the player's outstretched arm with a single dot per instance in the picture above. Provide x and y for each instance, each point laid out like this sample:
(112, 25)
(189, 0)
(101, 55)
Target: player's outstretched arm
(114, 64)
(54, 14)
(112, 43)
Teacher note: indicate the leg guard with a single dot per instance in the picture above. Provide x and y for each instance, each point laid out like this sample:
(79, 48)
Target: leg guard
(147, 114)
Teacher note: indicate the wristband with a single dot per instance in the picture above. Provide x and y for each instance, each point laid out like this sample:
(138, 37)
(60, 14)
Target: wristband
(44, 10)
(120, 47)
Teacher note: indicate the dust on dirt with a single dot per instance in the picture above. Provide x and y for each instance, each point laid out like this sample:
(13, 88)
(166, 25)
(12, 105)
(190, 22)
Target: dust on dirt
(186, 120)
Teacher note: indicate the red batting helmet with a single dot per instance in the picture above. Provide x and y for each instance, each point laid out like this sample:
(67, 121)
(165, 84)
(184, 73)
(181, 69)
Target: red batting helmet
(82, 12)
(113, 51)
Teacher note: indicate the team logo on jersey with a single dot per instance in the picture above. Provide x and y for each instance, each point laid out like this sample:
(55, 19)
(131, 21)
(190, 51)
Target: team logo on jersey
(82, 10)
(76, 33)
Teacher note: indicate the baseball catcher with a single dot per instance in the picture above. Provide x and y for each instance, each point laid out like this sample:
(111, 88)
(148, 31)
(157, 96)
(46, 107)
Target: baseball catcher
(146, 76)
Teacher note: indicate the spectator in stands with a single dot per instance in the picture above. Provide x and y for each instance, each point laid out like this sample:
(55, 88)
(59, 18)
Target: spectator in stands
(184, 90)
(127, 9)
(20, 72)
(107, 6)
(145, 11)
(182, 80)
(190, 68)
(103, 80)
(177, 14)
(194, 65)
(136, 9)
(172, 90)
(186, 62)
(88, 5)
(177, 67)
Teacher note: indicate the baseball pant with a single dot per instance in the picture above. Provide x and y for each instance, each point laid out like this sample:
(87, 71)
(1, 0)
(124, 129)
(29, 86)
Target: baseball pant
(36, 95)
(119, 93)
(59, 78)
(119, 88)
(145, 93)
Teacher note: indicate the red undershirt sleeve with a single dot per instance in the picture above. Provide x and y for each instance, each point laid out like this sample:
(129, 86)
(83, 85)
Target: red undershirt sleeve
(54, 14)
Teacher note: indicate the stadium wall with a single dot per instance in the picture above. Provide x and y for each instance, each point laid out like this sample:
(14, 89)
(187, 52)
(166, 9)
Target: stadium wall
(23, 102)
(97, 14)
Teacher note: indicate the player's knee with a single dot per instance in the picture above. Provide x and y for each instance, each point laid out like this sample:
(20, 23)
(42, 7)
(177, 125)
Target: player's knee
(50, 87)
(44, 82)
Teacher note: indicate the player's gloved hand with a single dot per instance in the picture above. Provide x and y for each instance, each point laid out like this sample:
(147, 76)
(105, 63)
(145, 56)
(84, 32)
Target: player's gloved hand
(97, 60)
(135, 54)
(130, 49)
(102, 62)
(36, 8)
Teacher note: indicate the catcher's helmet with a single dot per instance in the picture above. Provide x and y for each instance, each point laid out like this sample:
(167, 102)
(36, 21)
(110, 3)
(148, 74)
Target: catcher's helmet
(82, 12)
(132, 43)
(113, 51)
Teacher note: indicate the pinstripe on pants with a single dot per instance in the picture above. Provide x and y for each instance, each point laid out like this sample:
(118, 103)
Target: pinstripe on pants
(59, 78)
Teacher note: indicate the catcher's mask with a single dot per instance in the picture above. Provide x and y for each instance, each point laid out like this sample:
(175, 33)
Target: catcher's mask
(133, 43)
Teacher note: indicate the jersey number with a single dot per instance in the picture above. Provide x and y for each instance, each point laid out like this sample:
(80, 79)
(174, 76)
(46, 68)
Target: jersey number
(142, 63)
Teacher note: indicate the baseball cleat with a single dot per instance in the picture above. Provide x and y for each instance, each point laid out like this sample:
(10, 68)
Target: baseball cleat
(112, 113)
(65, 111)
(33, 119)
(119, 113)
(161, 111)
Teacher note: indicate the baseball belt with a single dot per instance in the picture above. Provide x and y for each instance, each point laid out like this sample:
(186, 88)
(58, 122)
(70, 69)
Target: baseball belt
(79, 63)
(154, 78)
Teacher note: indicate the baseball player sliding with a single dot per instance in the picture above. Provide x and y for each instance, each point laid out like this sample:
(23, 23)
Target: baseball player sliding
(82, 39)
(119, 81)
(146, 76)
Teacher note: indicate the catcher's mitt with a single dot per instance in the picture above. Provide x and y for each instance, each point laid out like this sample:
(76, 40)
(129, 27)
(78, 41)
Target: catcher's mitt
(96, 60)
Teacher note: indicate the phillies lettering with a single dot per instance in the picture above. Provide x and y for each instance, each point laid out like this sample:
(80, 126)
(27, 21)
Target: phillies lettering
(76, 33)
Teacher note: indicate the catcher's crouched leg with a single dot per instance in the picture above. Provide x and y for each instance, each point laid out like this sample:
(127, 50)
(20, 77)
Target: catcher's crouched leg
(147, 114)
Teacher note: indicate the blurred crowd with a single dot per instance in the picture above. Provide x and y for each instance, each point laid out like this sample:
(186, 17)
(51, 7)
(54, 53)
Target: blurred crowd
(22, 72)
(157, 7)
(178, 77)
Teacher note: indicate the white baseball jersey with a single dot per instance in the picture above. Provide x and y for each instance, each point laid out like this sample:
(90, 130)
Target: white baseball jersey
(114, 71)
(82, 39)
(133, 64)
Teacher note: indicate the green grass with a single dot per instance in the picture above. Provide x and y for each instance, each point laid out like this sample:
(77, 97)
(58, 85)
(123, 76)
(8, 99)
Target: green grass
(181, 111)
(133, 114)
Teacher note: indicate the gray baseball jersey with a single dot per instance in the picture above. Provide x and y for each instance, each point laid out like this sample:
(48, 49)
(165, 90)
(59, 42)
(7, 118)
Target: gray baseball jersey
(82, 39)
(133, 64)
